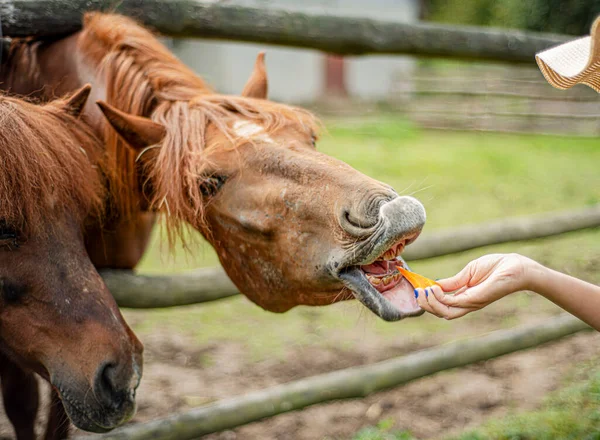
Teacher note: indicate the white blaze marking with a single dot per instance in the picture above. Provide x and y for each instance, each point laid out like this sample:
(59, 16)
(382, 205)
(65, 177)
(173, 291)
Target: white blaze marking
(250, 130)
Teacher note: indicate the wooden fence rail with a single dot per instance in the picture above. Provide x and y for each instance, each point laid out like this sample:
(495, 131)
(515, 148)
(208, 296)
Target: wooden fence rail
(328, 33)
(341, 35)
(349, 383)
(202, 285)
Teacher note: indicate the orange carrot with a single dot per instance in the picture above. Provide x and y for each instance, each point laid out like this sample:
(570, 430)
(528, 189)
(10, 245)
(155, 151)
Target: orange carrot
(416, 280)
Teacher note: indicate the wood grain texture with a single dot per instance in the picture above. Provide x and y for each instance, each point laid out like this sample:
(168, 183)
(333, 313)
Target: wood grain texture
(328, 33)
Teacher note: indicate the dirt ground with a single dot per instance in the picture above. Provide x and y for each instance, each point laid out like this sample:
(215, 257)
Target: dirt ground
(429, 407)
(177, 377)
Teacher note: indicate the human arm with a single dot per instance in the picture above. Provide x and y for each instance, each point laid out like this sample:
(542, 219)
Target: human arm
(492, 277)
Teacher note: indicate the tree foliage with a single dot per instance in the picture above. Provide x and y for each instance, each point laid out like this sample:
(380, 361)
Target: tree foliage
(572, 17)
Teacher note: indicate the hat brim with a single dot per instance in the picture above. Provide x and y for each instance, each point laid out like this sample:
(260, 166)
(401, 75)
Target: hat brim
(575, 62)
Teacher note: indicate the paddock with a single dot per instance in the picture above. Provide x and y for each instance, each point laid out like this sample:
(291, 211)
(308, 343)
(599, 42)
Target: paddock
(197, 387)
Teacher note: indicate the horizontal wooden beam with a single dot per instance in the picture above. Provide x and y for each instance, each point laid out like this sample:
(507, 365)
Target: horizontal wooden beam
(203, 285)
(329, 33)
(157, 291)
(464, 238)
(349, 383)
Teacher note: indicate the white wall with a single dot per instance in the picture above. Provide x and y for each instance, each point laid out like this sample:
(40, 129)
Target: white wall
(297, 75)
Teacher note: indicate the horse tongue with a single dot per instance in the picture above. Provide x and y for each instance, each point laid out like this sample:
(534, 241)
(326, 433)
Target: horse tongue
(402, 297)
(377, 268)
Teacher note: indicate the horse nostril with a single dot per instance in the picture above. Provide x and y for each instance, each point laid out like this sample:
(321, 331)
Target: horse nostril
(106, 386)
(355, 225)
(352, 220)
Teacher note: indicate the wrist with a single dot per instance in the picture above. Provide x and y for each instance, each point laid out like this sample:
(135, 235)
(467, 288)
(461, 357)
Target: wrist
(535, 275)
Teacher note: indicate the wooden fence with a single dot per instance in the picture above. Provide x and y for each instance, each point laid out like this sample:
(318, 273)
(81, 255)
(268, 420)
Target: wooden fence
(349, 383)
(328, 33)
(494, 97)
(343, 35)
(209, 284)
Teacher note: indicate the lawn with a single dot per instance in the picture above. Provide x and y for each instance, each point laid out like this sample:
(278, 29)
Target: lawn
(461, 178)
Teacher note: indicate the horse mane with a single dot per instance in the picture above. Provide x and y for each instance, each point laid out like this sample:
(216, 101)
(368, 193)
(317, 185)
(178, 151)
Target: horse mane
(20, 65)
(143, 77)
(45, 171)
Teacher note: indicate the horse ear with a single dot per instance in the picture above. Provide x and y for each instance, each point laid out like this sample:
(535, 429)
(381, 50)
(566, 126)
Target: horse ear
(137, 131)
(257, 86)
(76, 102)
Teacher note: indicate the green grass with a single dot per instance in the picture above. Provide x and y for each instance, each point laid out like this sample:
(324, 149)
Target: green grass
(347, 325)
(461, 178)
(471, 177)
(572, 413)
(382, 431)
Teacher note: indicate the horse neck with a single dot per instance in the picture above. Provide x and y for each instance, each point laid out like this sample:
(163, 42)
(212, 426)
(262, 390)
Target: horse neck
(19, 74)
(49, 69)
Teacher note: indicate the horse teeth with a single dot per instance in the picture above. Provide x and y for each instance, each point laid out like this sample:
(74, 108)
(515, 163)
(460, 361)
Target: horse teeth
(397, 276)
(374, 280)
(387, 280)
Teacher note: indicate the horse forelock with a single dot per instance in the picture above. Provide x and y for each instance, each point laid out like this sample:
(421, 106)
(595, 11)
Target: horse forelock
(51, 164)
(144, 78)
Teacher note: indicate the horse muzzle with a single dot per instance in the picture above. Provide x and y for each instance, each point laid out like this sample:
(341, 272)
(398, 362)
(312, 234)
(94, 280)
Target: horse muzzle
(371, 273)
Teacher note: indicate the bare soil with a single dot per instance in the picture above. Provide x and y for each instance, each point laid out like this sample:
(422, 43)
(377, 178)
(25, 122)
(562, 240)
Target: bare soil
(180, 375)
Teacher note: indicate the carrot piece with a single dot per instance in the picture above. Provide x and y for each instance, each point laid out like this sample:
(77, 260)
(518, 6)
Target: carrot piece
(416, 280)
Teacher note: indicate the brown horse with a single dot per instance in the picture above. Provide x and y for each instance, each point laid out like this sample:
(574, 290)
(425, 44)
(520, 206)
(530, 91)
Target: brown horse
(290, 225)
(57, 318)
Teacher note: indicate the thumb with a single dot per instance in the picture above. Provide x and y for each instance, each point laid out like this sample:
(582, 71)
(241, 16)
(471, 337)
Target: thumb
(459, 280)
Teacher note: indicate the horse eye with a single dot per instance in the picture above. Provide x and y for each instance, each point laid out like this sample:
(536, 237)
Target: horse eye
(8, 235)
(211, 185)
(11, 293)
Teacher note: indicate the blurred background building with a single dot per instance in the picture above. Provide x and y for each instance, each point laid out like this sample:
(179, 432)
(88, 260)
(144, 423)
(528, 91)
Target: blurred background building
(431, 93)
(305, 76)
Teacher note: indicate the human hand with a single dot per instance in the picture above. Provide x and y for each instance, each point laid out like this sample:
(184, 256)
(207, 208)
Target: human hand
(479, 284)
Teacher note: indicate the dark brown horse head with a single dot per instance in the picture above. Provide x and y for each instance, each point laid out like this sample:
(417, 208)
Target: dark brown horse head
(56, 315)
(291, 225)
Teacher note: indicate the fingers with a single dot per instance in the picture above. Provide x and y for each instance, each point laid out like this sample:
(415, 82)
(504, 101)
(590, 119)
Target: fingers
(461, 290)
(428, 300)
(475, 297)
(423, 301)
(459, 280)
(437, 307)
(473, 273)
(460, 299)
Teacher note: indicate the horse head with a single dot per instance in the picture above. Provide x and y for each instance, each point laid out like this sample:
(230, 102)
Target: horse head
(290, 225)
(56, 315)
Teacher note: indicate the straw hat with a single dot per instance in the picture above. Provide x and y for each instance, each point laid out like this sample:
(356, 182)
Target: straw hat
(575, 62)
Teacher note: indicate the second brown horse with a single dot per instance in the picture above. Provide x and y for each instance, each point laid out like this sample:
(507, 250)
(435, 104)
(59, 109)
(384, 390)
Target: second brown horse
(57, 318)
